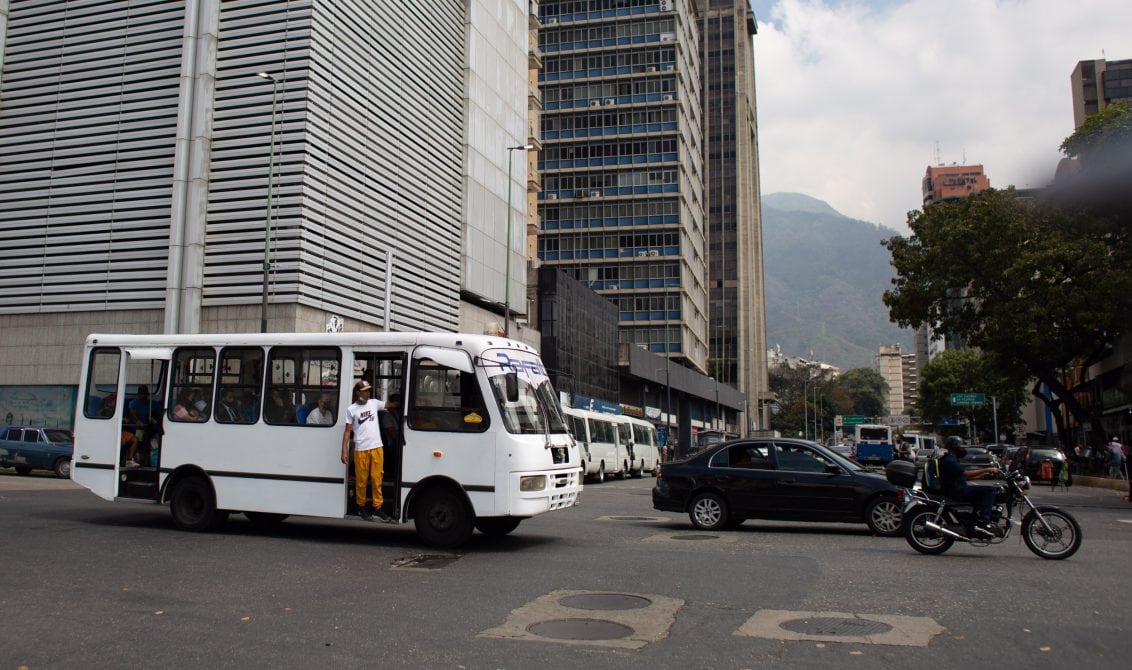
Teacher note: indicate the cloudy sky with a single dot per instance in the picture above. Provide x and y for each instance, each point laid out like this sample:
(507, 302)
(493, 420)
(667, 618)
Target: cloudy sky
(857, 97)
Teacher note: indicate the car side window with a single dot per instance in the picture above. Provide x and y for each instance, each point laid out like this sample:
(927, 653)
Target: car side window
(751, 456)
(800, 459)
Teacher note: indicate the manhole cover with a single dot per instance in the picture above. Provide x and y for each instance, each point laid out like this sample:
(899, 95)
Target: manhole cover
(832, 626)
(695, 537)
(425, 562)
(580, 629)
(604, 601)
(633, 518)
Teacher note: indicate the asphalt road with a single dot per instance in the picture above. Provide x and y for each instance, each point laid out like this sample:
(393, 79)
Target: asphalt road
(86, 583)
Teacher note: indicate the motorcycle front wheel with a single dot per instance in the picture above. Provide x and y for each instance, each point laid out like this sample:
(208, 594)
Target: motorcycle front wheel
(1059, 537)
(923, 539)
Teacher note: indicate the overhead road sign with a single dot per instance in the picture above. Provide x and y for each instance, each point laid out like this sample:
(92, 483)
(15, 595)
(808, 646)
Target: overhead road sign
(968, 399)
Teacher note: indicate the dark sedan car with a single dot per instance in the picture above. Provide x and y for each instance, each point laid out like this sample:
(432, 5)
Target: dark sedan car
(1032, 460)
(977, 457)
(773, 478)
(30, 447)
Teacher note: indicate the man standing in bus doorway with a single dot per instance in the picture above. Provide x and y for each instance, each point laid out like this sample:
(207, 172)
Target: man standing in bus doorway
(369, 456)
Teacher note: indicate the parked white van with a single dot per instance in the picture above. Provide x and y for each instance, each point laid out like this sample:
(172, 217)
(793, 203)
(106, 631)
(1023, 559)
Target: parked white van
(596, 434)
(644, 445)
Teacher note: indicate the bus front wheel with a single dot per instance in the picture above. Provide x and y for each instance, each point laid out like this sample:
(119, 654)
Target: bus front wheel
(193, 505)
(442, 518)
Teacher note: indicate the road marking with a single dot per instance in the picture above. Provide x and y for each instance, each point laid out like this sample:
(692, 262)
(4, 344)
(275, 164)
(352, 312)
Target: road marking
(650, 519)
(909, 631)
(647, 624)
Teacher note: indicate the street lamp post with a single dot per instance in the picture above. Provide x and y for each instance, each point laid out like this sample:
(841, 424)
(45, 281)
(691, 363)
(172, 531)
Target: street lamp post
(270, 204)
(667, 375)
(507, 247)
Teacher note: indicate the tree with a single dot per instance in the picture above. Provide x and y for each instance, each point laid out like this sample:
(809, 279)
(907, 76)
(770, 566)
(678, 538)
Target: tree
(1033, 284)
(970, 371)
(808, 401)
(866, 390)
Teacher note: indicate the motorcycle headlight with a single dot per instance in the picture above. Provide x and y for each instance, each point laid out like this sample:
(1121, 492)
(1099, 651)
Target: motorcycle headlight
(1025, 482)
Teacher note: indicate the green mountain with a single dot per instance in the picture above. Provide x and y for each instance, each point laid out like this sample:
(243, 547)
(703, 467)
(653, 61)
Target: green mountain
(825, 274)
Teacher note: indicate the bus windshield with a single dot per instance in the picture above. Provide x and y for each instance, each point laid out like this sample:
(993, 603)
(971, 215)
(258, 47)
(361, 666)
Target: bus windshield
(533, 407)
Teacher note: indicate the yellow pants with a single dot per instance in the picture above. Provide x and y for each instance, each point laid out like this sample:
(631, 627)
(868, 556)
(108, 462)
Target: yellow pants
(368, 465)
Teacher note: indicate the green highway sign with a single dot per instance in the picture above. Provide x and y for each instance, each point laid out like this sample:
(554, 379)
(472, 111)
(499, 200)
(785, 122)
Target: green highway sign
(968, 399)
(849, 420)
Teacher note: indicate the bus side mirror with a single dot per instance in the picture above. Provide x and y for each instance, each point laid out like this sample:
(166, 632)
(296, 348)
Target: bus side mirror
(511, 386)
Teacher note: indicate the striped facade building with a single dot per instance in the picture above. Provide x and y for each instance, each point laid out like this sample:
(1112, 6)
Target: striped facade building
(159, 157)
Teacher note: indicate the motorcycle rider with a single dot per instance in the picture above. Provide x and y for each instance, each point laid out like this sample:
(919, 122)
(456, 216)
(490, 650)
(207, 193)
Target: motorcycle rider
(953, 480)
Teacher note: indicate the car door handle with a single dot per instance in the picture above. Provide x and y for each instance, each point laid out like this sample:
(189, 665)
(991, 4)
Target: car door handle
(788, 481)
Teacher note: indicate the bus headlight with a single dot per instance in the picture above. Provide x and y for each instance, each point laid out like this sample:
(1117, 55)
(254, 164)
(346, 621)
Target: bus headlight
(532, 483)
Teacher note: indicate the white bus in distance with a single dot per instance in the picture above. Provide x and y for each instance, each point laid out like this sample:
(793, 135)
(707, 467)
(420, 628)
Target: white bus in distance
(644, 445)
(601, 452)
(214, 424)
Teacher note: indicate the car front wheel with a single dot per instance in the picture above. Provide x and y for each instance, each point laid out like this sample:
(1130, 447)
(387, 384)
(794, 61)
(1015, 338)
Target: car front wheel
(708, 511)
(883, 517)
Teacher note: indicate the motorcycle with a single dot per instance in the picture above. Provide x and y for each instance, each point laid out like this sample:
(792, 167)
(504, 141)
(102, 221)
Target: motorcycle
(934, 522)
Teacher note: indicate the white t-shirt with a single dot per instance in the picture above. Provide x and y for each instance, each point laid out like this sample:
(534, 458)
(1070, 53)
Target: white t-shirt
(318, 418)
(363, 421)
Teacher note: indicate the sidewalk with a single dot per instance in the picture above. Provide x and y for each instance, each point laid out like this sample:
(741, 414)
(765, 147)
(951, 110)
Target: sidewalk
(1085, 492)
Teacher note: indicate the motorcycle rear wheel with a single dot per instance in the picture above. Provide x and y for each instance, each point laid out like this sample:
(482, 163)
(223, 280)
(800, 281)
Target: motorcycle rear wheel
(1061, 540)
(922, 539)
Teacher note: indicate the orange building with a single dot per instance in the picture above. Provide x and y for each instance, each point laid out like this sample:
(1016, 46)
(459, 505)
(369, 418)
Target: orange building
(947, 182)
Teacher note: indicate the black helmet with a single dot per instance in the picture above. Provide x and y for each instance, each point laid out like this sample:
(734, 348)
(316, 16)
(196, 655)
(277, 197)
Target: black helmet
(955, 445)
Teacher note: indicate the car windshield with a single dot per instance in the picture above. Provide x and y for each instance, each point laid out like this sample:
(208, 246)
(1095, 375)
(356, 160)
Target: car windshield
(59, 435)
(1041, 454)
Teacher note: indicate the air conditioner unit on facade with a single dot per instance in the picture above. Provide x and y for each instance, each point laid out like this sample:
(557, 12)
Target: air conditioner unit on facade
(610, 101)
(552, 20)
(551, 196)
(594, 103)
(665, 6)
(651, 68)
(667, 98)
(595, 194)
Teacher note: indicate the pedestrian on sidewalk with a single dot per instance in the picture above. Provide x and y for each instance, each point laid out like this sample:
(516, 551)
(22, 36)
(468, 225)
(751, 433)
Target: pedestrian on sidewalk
(1116, 462)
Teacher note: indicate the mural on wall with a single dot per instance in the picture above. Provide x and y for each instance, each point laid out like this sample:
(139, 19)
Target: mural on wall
(48, 406)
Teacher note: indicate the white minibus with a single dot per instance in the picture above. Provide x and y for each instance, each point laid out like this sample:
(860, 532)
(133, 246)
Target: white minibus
(596, 435)
(213, 424)
(645, 445)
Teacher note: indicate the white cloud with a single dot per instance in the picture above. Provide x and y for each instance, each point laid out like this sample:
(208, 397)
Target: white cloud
(853, 97)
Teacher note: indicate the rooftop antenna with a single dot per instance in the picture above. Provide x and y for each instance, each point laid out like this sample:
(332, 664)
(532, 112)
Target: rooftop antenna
(964, 155)
(937, 161)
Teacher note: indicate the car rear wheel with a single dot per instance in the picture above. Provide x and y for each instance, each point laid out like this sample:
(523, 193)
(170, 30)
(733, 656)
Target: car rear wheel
(63, 468)
(600, 476)
(708, 511)
(883, 517)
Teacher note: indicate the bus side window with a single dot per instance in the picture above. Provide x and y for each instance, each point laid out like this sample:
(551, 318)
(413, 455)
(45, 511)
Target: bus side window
(240, 374)
(446, 399)
(191, 392)
(297, 375)
(102, 384)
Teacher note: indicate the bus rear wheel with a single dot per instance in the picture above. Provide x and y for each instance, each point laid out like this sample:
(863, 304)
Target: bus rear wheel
(193, 505)
(442, 519)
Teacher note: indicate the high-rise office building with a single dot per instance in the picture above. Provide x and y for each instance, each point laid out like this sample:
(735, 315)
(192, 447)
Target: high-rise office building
(159, 159)
(1096, 84)
(622, 206)
(651, 155)
(736, 311)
